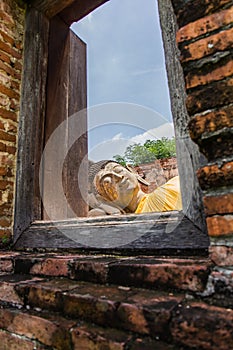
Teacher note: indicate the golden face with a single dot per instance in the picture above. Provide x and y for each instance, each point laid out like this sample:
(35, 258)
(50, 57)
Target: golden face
(116, 184)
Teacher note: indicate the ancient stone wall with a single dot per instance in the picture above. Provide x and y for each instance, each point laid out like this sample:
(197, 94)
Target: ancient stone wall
(11, 47)
(205, 41)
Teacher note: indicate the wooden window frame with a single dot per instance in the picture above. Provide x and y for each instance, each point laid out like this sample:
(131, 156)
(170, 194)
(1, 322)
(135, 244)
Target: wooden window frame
(29, 231)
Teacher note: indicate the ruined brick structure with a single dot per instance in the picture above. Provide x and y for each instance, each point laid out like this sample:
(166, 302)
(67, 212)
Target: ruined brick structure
(85, 301)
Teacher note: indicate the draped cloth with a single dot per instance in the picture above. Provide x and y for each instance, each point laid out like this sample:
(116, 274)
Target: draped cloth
(164, 198)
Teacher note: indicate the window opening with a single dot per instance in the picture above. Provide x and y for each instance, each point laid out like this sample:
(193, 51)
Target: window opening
(126, 71)
(67, 57)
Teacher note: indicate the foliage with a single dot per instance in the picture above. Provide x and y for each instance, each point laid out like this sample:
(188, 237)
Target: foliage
(148, 152)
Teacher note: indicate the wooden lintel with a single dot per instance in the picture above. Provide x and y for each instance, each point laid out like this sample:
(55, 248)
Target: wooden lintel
(79, 9)
(52, 7)
(70, 10)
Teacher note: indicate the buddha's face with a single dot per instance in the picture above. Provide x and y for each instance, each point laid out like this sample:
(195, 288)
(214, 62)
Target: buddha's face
(116, 184)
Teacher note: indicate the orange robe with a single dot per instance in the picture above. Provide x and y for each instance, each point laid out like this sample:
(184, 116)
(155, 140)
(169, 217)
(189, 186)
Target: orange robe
(164, 198)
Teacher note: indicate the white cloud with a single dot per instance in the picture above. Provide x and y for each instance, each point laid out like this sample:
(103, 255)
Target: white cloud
(117, 145)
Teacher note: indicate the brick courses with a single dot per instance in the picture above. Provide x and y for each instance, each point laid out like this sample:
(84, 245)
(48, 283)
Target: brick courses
(186, 303)
(205, 41)
(11, 46)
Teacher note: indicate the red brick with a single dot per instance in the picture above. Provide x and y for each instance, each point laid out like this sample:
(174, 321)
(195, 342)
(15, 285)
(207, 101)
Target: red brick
(7, 37)
(5, 234)
(5, 57)
(218, 204)
(51, 332)
(8, 114)
(217, 73)
(205, 25)
(11, 51)
(93, 337)
(51, 267)
(5, 184)
(127, 308)
(216, 175)
(11, 150)
(6, 18)
(8, 92)
(210, 329)
(168, 274)
(211, 122)
(92, 270)
(198, 9)
(220, 225)
(221, 255)
(12, 342)
(210, 96)
(6, 209)
(207, 46)
(2, 147)
(4, 222)
(6, 266)
(3, 171)
(5, 136)
(14, 73)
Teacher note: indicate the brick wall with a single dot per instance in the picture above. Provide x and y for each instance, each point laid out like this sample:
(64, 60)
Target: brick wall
(205, 40)
(157, 172)
(11, 46)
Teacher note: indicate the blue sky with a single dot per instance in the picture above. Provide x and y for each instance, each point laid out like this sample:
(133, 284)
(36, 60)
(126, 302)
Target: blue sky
(125, 65)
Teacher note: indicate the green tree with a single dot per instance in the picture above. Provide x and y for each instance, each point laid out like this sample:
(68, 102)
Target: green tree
(120, 159)
(152, 149)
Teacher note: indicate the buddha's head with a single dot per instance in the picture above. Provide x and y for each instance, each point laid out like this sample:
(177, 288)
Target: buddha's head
(116, 183)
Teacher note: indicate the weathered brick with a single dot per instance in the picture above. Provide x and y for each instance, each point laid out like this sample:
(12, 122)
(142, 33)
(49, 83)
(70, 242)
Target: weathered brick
(13, 342)
(9, 70)
(5, 234)
(5, 184)
(6, 266)
(218, 204)
(211, 122)
(5, 222)
(92, 270)
(45, 294)
(3, 171)
(5, 136)
(220, 287)
(51, 267)
(11, 51)
(205, 25)
(220, 225)
(147, 343)
(221, 255)
(216, 175)
(207, 46)
(210, 329)
(163, 274)
(11, 149)
(8, 114)
(203, 76)
(189, 11)
(6, 18)
(216, 94)
(93, 337)
(48, 331)
(217, 145)
(7, 290)
(9, 92)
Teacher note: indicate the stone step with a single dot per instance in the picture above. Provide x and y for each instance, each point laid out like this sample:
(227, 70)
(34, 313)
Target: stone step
(168, 274)
(159, 316)
(20, 329)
